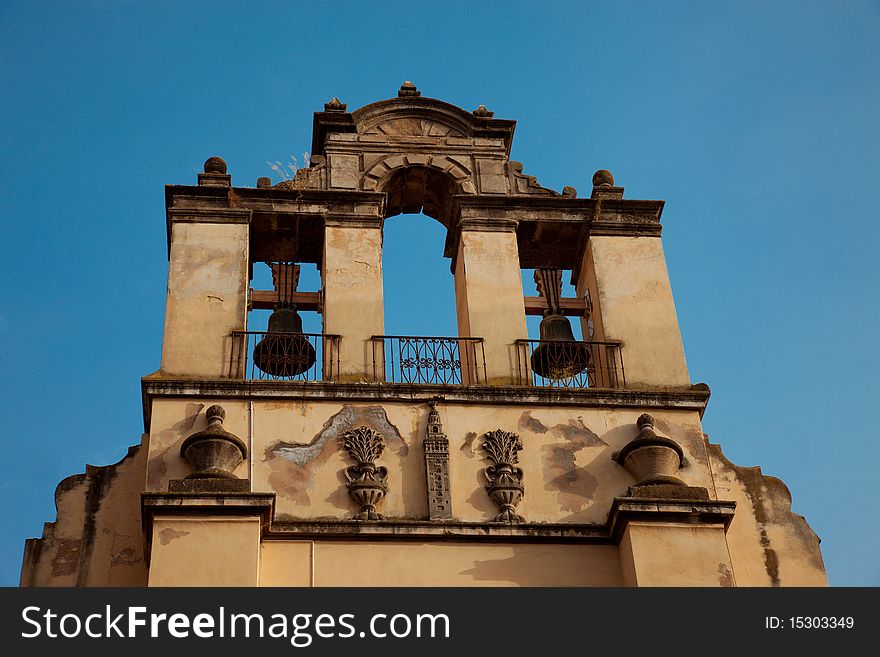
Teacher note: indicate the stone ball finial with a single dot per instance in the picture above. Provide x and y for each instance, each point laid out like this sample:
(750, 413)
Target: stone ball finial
(483, 113)
(408, 89)
(603, 178)
(263, 182)
(215, 164)
(645, 420)
(335, 105)
(215, 414)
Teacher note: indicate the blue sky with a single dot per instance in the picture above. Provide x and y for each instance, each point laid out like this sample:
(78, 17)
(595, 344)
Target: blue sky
(757, 122)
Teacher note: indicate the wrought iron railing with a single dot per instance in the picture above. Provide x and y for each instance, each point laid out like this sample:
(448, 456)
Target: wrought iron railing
(421, 359)
(284, 356)
(570, 364)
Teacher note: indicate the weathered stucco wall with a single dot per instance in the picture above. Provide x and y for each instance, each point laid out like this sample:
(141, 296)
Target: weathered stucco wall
(390, 563)
(769, 544)
(207, 296)
(352, 288)
(96, 539)
(636, 307)
(200, 551)
(489, 299)
(672, 554)
(570, 475)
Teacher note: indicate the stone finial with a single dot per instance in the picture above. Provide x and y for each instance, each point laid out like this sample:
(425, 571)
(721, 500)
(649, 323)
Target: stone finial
(651, 459)
(215, 415)
(215, 164)
(213, 454)
(603, 178)
(264, 182)
(408, 89)
(645, 420)
(482, 113)
(335, 105)
(215, 173)
(569, 192)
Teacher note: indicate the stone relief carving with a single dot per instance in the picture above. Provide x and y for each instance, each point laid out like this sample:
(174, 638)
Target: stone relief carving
(504, 485)
(367, 482)
(437, 468)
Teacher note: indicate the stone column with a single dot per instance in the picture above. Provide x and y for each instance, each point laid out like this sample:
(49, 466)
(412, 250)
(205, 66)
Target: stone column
(671, 554)
(673, 542)
(352, 284)
(212, 540)
(489, 296)
(628, 284)
(207, 281)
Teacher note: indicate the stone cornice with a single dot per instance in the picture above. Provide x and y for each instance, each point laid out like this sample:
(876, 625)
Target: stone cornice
(632, 509)
(153, 386)
(262, 505)
(209, 215)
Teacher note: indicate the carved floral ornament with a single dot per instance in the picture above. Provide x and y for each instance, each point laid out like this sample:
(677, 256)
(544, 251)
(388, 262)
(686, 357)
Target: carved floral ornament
(366, 481)
(504, 485)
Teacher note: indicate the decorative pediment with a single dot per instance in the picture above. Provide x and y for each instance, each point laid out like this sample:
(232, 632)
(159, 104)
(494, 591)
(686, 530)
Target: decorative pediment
(413, 127)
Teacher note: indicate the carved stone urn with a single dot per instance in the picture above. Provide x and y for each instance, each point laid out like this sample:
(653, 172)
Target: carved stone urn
(367, 482)
(213, 453)
(653, 460)
(504, 486)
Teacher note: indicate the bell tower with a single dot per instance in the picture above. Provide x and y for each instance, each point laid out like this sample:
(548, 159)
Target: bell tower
(320, 459)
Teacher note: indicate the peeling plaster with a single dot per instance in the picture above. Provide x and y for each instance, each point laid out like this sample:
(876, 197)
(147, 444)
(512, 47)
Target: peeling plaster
(167, 535)
(293, 464)
(468, 445)
(575, 485)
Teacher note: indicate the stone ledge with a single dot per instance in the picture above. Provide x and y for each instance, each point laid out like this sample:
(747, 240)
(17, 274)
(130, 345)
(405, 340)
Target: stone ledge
(203, 504)
(156, 385)
(421, 530)
(209, 485)
(707, 512)
(623, 511)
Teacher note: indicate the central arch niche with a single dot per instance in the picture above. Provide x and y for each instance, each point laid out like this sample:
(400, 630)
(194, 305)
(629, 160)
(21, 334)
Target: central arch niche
(424, 189)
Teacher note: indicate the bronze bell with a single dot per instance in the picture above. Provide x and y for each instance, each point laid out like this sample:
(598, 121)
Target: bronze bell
(559, 355)
(284, 351)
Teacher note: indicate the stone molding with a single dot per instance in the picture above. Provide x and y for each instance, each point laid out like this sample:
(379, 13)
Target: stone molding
(695, 398)
(692, 512)
(197, 504)
(623, 511)
(209, 215)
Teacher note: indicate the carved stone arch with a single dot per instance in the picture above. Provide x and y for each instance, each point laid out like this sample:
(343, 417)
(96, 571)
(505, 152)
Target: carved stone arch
(415, 117)
(380, 172)
(443, 175)
(424, 188)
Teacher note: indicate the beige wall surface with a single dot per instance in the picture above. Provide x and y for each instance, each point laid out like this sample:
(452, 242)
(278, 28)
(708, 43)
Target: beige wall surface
(205, 551)
(769, 544)
(636, 307)
(96, 539)
(207, 297)
(670, 554)
(570, 475)
(352, 288)
(391, 563)
(489, 298)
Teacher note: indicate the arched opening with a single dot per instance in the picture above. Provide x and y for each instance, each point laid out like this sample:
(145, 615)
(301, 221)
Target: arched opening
(416, 189)
(421, 343)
